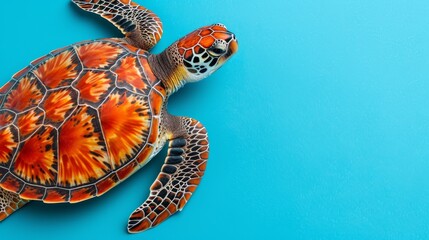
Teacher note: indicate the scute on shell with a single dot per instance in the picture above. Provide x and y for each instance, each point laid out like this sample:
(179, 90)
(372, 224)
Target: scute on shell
(78, 121)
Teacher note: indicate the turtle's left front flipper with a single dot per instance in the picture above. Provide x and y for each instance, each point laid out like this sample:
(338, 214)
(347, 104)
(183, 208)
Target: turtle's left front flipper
(141, 27)
(9, 203)
(180, 175)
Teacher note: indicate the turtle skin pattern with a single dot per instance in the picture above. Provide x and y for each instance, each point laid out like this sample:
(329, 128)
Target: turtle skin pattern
(79, 120)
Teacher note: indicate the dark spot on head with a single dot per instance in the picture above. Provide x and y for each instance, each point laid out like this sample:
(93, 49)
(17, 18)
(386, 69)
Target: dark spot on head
(218, 51)
(200, 50)
(205, 55)
(203, 70)
(213, 62)
(189, 58)
(196, 59)
(191, 70)
(187, 64)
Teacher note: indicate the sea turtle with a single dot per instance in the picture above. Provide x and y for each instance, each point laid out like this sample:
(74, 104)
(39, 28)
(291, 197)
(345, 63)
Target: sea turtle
(80, 120)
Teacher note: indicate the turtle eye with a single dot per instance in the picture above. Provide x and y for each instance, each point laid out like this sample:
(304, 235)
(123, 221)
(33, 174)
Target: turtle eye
(217, 50)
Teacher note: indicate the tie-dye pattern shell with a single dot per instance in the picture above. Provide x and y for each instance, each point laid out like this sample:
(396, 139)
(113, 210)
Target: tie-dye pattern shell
(78, 121)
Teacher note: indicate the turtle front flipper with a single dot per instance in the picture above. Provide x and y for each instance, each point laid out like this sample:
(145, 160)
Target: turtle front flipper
(142, 27)
(9, 203)
(180, 175)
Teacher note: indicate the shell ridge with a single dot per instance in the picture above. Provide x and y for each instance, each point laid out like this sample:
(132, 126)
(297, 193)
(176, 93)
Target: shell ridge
(35, 130)
(15, 116)
(149, 132)
(156, 90)
(146, 77)
(130, 160)
(18, 146)
(57, 143)
(79, 59)
(107, 40)
(4, 175)
(10, 87)
(41, 84)
(103, 135)
(68, 117)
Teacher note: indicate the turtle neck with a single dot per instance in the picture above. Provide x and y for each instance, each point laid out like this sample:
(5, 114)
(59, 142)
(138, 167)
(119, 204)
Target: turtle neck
(168, 69)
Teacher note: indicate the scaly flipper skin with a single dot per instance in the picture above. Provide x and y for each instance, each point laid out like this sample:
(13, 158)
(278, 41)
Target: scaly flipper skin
(180, 175)
(142, 27)
(9, 203)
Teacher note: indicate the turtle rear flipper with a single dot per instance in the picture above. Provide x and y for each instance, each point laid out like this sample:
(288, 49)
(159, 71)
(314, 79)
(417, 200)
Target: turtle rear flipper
(179, 177)
(141, 27)
(9, 203)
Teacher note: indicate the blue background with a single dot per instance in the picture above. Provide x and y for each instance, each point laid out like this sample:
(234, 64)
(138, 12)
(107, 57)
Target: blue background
(319, 126)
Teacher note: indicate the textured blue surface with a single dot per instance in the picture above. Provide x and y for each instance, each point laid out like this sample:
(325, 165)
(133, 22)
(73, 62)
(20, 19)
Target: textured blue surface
(319, 126)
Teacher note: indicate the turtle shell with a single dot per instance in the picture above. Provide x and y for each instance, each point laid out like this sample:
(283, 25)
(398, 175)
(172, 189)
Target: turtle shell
(78, 121)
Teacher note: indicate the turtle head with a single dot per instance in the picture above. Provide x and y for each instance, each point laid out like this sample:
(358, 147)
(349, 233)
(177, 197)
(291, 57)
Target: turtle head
(195, 56)
(205, 50)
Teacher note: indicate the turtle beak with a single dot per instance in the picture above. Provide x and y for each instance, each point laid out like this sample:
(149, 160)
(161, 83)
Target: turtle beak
(233, 47)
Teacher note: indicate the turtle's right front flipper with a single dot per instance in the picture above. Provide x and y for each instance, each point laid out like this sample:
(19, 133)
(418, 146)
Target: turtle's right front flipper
(180, 175)
(142, 27)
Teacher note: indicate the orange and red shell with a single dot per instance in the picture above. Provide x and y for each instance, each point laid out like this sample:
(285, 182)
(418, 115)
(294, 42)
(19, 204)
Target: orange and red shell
(78, 121)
